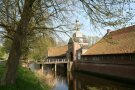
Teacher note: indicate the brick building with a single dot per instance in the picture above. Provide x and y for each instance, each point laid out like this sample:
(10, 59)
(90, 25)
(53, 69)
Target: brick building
(113, 55)
(116, 46)
(76, 46)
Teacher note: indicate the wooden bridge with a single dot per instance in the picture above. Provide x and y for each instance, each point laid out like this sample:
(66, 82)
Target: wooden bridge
(55, 62)
(58, 61)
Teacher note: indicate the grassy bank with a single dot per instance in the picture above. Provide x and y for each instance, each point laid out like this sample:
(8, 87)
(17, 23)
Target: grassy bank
(26, 80)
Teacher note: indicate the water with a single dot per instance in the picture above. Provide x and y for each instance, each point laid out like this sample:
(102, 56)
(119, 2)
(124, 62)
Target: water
(78, 81)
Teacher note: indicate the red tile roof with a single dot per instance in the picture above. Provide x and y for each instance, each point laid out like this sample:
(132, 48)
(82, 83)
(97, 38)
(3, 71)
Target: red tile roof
(57, 51)
(116, 42)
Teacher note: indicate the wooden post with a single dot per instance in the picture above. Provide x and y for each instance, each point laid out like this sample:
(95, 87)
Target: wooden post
(55, 75)
(69, 66)
(42, 67)
(55, 67)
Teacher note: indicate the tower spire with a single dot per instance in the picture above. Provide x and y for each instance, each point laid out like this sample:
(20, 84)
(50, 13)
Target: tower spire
(77, 26)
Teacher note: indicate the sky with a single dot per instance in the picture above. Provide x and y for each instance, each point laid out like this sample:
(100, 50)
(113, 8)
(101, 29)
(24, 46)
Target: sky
(87, 27)
(89, 30)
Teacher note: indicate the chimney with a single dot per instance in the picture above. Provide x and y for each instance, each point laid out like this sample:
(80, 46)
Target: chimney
(108, 31)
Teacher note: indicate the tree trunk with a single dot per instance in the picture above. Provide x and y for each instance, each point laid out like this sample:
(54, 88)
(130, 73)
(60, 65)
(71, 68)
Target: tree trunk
(17, 45)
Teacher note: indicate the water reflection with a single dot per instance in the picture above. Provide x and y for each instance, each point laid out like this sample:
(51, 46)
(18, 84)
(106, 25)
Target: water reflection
(79, 81)
(62, 80)
(88, 82)
(61, 84)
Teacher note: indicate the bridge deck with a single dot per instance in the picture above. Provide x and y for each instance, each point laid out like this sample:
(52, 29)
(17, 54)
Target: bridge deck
(53, 62)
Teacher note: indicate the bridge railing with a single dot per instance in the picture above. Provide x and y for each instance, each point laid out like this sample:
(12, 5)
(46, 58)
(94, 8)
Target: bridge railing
(56, 60)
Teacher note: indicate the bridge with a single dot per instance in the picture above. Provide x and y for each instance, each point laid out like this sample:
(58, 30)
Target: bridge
(58, 61)
(55, 62)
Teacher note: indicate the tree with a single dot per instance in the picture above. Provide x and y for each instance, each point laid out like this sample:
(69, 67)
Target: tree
(18, 40)
(7, 44)
(39, 47)
(92, 40)
(112, 13)
(21, 19)
(1, 52)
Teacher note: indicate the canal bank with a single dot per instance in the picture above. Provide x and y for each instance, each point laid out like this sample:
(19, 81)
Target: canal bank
(26, 80)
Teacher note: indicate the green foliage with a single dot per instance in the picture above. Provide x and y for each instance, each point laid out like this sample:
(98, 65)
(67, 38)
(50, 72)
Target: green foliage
(40, 46)
(2, 52)
(26, 80)
(7, 44)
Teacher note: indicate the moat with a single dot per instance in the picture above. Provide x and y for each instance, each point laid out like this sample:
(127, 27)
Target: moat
(63, 80)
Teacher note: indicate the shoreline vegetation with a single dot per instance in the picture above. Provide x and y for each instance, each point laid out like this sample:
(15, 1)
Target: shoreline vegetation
(48, 78)
(26, 80)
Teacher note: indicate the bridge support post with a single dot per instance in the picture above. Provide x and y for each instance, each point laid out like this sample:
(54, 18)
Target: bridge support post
(69, 66)
(55, 67)
(42, 67)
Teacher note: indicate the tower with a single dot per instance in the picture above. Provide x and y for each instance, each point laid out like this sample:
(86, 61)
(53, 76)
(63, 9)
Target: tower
(76, 44)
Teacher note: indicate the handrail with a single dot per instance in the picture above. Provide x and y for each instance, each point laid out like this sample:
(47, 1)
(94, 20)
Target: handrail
(48, 61)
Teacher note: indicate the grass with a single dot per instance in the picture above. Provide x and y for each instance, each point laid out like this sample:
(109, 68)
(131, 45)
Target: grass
(26, 80)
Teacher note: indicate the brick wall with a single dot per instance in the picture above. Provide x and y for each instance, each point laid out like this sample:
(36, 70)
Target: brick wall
(122, 71)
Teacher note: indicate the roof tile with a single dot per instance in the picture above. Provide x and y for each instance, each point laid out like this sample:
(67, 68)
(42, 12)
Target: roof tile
(57, 51)
(116, 42)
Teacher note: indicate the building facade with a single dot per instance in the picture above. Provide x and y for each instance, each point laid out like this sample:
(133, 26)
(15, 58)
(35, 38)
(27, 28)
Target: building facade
(77, 45)
(113, 55)
(117, 46)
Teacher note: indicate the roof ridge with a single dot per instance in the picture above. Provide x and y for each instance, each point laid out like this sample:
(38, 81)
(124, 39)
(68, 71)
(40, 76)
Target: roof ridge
(115, 42)
(123, 30)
